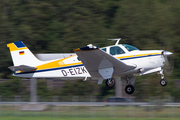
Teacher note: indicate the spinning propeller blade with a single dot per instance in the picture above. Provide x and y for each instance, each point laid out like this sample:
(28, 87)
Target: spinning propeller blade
(169, 62)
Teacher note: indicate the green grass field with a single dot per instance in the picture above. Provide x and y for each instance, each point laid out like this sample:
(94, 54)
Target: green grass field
(95, 113)
(59, 118)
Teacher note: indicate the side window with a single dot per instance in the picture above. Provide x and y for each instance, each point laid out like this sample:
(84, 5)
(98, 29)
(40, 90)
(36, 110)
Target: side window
(103, 49)
(78, 59)
(115, 50)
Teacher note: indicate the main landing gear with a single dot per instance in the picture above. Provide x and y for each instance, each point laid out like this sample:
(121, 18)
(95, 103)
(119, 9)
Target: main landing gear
(110, 83)
(129, 89)
(128, 81)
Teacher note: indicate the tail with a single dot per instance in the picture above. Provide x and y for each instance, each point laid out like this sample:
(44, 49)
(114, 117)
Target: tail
(22, 57)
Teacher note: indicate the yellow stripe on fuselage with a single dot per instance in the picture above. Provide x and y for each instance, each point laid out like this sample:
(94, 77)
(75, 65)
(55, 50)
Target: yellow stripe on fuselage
(125, 56)
(139, 55)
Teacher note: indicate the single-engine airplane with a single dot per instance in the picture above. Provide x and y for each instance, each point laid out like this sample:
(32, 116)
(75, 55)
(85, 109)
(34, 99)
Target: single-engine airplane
(91, 62)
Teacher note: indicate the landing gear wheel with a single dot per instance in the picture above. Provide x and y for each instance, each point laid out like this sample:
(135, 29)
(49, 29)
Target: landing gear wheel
(110, 83)
(129, 89)
(163, 82)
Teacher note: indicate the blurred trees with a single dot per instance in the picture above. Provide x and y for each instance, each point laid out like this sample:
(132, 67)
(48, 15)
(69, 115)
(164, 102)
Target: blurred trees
(78, 88)
(12, 88)
(61, 26)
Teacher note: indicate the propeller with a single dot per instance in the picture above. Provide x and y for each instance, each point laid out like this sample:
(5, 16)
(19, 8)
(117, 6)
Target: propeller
(167, 46)
(169, 62)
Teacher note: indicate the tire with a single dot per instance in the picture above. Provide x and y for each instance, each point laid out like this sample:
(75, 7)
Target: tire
(163, 82)
(110, 83)
(129, 89)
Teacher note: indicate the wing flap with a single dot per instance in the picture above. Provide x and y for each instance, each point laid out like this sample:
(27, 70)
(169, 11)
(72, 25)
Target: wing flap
(24, 68)
(96, 60)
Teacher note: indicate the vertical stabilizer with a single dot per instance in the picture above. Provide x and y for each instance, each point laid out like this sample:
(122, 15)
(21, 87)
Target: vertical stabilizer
(21, 55)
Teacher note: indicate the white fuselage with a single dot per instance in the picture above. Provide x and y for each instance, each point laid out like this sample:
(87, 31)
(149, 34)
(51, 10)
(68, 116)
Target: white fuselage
(148, 61)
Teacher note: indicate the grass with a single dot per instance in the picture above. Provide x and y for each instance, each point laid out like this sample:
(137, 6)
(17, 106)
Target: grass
(105, 112)
(58, 118)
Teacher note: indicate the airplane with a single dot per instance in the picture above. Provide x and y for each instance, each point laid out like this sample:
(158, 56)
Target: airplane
(92, 63)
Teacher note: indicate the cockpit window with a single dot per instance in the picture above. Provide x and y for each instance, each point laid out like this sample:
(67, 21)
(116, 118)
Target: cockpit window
(103, 49)
(78, 59)
(129, 47)
(115, 50)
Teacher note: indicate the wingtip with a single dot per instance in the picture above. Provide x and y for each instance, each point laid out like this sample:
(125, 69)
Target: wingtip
(78, 49)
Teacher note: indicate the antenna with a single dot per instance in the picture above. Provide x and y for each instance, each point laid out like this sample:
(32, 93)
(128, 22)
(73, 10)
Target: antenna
(117, 39)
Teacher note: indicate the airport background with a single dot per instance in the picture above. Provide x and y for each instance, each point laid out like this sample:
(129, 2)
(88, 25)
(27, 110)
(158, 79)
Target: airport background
(60, 26)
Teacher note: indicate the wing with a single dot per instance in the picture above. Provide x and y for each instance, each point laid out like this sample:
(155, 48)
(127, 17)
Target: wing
(22, 68)
(100, 64)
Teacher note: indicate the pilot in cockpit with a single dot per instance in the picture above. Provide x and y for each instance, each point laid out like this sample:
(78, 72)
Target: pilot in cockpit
(120, 51)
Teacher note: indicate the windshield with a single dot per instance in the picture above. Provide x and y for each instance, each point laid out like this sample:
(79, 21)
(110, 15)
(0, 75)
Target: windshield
(129, 47)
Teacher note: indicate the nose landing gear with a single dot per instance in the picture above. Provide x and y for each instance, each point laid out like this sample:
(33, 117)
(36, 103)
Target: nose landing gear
(163, 81)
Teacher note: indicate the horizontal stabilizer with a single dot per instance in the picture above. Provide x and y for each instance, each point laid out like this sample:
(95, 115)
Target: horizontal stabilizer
(22, 68)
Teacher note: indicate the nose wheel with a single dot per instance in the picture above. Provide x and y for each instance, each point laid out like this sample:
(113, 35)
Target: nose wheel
(129, 89)
(110, 83)
(163, 82)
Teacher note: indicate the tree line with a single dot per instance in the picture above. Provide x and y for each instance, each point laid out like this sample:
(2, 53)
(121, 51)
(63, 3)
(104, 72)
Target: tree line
(53, 26)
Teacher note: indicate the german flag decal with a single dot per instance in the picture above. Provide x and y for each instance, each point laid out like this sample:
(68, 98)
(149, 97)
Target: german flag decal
(21, 53)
